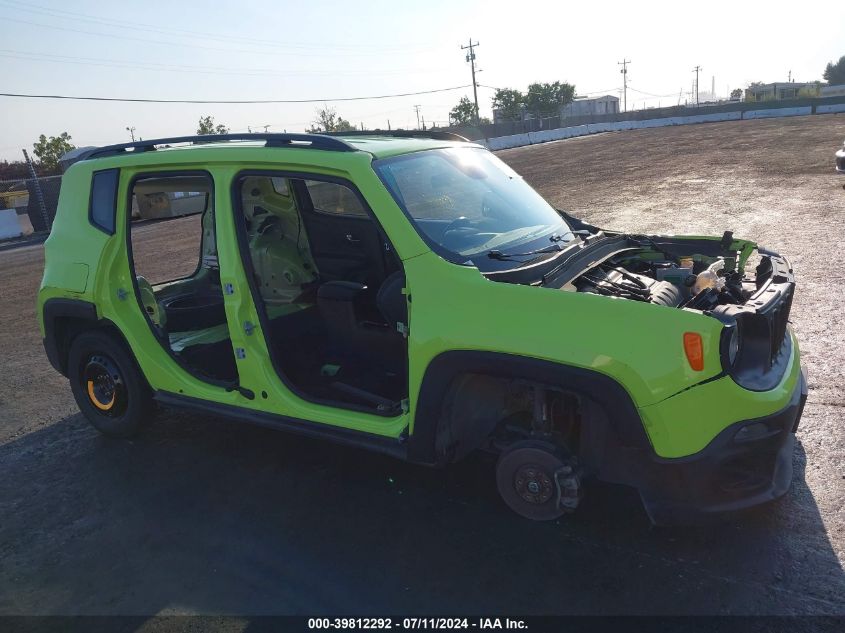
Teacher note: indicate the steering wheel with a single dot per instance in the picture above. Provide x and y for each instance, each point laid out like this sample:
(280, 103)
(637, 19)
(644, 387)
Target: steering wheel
(462, 221)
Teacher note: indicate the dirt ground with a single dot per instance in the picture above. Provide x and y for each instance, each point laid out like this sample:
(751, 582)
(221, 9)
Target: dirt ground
(199, 515)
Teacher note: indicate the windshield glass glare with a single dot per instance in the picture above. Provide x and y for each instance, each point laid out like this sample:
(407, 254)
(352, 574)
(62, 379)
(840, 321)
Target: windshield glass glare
(469, 202)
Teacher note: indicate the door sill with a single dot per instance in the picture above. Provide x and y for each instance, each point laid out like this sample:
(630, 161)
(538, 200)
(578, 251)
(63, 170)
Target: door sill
(393, 447)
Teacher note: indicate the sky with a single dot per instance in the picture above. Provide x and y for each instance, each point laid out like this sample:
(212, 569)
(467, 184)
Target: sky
(323, 50)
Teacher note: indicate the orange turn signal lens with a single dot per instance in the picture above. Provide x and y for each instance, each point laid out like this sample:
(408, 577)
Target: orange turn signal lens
(694, 349)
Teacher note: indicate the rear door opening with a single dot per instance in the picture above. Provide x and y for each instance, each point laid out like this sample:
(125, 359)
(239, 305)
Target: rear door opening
(173, 256)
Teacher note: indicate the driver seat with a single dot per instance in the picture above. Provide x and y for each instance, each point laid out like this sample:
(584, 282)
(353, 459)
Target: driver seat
(340, 304)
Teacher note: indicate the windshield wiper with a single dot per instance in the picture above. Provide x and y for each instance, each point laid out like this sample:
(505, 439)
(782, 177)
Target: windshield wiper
(557, 237)
(499, 255)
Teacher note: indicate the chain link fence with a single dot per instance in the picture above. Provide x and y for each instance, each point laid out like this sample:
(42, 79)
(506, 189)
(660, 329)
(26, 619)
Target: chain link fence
(34, 201)
(509, 128)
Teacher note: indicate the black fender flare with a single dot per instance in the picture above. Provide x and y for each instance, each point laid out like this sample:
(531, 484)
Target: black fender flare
(56, 313)
(623, 420)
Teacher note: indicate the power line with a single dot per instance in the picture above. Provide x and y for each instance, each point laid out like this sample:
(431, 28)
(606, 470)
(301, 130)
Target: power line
(650, 94)
(596, 92)
(208, 70)
(227, 101)
(62, 14)
(181, 43)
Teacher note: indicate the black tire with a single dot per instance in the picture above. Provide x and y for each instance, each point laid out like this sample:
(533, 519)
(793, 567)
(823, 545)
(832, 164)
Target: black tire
(525, 477)
(107, 384)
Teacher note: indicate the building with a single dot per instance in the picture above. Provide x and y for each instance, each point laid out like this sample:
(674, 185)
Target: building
(582, 106)
(780, 91)
(832, 91)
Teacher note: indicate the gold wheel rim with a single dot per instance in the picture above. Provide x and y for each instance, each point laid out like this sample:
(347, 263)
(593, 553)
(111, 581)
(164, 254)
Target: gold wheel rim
(96, 401)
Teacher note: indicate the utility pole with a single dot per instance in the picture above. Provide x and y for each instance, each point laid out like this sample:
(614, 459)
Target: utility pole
(39, 195)
(624, 63)
(417, 110)
(131, 131)
(696, 70)
(471, 59)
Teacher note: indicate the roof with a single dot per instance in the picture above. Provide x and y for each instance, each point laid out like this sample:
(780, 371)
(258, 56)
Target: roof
(387, 146)
(602, 98)
(379, 144)
(782, 84)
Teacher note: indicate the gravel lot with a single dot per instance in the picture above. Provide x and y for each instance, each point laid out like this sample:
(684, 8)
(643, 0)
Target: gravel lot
(199, 515)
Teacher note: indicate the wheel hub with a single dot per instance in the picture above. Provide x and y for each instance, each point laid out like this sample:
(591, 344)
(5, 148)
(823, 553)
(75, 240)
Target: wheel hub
(533, 484)
(104, 385)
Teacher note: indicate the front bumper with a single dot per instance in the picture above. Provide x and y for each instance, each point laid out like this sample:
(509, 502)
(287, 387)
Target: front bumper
(738, 469)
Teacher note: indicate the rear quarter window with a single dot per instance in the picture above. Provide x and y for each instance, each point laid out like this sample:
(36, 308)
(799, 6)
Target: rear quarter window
(103, 208)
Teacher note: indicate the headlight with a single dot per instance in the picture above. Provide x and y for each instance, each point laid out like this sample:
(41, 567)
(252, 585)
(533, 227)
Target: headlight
(733, 345)
(730, 345)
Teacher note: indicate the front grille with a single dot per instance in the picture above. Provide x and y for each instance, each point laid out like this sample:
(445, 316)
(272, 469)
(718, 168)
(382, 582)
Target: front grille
(778, 318)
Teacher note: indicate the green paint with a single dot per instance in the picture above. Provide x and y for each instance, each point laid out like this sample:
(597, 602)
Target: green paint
(453, 307)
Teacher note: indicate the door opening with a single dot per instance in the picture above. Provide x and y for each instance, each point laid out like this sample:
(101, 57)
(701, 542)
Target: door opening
(173, 253)
(329, 289)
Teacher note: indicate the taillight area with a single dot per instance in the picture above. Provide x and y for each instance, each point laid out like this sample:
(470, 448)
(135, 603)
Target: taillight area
(694, 349)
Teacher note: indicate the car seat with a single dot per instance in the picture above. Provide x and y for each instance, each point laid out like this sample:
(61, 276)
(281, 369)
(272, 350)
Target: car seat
(352, 335)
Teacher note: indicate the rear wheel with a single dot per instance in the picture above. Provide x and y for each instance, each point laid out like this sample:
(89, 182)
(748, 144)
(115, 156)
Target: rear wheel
(536, 481)
(107, 384)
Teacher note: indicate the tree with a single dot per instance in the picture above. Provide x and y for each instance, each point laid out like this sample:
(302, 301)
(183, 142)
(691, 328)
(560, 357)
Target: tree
(50, 150)
(834, 74)
(328, 120)
(14, 170)
(206, 126)
(545, 100)
(464, 113)
(509, 103)
(736, 94)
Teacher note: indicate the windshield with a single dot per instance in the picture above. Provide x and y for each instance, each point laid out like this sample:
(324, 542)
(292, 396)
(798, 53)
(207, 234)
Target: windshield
(468, 203)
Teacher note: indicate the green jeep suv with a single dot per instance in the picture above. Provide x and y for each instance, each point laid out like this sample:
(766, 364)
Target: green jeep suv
(411, 294)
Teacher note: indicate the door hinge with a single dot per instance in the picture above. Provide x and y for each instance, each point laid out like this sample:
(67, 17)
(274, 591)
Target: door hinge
(228, 289)
(403, 329)
(249, 327)
(249, 394)
(122, 294)
(240, 353)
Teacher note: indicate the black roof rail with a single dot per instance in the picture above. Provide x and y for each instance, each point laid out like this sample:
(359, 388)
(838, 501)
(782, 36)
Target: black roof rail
(433, 134)
(308, 141)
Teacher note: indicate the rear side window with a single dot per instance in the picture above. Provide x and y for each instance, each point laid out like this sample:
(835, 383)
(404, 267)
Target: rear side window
(334, 199)
(103, 208)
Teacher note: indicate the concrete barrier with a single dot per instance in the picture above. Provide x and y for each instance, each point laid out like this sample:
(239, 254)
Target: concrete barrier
(544, 136)
(770, 113)
(830, 108)
(9, 225)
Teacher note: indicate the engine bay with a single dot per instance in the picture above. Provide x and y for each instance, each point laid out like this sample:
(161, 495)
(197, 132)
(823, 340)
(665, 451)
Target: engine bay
(697, 282)
(677, 272)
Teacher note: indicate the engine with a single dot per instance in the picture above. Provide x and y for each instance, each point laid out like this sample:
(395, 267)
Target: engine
(687, 283)
(618, 282)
